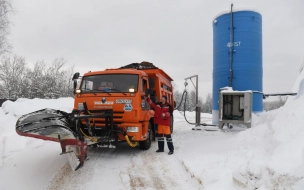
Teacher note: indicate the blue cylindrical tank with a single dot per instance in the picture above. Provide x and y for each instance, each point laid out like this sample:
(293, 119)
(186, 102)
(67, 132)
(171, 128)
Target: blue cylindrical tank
(246, 57)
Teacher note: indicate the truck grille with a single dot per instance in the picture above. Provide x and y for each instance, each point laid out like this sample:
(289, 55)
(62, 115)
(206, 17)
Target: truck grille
(101, 122)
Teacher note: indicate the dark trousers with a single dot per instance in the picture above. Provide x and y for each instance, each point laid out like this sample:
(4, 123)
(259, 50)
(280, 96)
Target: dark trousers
(161, 141)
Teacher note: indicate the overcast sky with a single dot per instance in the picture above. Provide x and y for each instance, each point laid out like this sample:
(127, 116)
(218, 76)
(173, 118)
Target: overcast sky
(175, 35)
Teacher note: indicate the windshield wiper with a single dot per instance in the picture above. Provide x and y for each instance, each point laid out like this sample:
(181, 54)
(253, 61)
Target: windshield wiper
(90, 91)
(118, 91)
(105, 90)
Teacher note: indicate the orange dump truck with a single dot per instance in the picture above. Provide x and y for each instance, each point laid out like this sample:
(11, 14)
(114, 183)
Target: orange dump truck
(109, 108)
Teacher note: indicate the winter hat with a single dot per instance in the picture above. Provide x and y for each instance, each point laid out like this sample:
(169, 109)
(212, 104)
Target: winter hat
(164, 96)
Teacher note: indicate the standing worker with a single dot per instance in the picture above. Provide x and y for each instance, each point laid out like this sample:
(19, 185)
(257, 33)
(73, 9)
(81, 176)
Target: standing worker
(162, 118)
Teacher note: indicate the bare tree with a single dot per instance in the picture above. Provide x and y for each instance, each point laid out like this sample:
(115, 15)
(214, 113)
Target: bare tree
(190, 98)
(54, 81)
(67, 87)
(207, 105)
(177, 98)
(5, 9)
(190, 101)
(12, 76)
(18, 81)
(37, 79)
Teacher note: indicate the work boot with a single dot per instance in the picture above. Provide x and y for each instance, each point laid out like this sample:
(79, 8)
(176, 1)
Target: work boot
(171, 152)
(159, 150)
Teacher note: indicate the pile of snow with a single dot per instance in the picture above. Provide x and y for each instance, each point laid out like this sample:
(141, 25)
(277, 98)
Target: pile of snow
(298, 86)
(270, 155)
(17, 168)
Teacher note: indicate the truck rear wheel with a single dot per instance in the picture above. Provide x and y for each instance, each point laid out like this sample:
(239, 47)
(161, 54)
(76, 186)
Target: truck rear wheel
(145, 145)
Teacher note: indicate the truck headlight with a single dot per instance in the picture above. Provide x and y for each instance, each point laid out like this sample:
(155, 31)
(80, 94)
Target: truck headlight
(77, 91)
(132, 129)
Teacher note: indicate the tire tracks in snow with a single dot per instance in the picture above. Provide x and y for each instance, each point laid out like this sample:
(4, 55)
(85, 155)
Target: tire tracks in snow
(151, 170)
(66, 178)
(125, 168)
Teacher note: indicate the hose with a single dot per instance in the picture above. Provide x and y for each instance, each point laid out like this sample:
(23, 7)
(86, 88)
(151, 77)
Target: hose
(185, 110)
(185, 93)
(129, 142)
(91, 138)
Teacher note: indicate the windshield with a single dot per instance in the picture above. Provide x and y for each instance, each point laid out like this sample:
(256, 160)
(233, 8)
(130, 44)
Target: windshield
(110, 83)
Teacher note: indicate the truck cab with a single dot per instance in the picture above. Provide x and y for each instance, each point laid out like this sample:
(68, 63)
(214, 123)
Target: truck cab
(122, 92)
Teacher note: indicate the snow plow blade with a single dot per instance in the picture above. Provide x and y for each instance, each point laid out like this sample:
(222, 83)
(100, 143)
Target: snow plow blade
(53, 125)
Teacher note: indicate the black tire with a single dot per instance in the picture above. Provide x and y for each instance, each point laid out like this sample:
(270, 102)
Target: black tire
(145, 145)
(171, 124)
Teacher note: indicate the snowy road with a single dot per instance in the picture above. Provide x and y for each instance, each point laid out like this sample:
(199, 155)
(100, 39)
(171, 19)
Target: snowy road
(126, 168)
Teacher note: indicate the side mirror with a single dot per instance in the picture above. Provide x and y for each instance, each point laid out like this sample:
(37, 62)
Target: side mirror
(75, 84)
(149, 91)
(151, 83)
(75, 76)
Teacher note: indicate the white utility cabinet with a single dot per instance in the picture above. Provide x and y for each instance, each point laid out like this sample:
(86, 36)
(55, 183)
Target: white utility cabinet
(235, 107)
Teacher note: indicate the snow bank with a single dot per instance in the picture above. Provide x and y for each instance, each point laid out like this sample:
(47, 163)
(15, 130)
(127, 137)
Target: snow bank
(18, 153)
(270, 154)
(23, 105)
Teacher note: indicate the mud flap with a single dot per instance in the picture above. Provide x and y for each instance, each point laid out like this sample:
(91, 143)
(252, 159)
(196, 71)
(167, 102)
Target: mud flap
(53, 125)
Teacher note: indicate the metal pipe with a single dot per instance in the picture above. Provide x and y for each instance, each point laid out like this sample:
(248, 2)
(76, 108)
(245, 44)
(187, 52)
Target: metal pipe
(197, 91)
(196, 87)
(231, 46)
(191, 77)
(198, 109)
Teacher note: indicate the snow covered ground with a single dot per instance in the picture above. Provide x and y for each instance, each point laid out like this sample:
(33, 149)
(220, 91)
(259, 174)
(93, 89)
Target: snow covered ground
(270, 155)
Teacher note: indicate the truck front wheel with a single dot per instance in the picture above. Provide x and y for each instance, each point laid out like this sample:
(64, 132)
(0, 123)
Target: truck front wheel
(145, 145)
